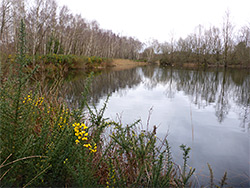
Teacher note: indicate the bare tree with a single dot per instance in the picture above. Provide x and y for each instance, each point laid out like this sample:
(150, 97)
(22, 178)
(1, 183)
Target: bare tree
(227, 32)
(5, 17)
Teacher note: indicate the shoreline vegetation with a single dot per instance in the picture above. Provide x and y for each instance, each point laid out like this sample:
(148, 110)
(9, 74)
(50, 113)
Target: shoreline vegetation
(45, 143)
(52, 64)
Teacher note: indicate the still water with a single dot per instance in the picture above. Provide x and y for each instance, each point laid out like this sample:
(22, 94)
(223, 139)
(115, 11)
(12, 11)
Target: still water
(208, 111)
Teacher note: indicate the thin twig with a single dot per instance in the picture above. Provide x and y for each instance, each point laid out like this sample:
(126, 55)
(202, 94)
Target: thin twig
(24, 158)
(163, 141)
(149, 115)
(192, 123)
(6, 160)
(5, 173)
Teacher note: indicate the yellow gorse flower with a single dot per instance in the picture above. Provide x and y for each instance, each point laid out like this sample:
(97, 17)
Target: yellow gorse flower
(35, 102)
(65, 160)
(62, 121)
(81, 134)
(93, 150)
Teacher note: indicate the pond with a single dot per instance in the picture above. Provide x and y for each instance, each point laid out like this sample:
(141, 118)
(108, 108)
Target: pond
(208, 110)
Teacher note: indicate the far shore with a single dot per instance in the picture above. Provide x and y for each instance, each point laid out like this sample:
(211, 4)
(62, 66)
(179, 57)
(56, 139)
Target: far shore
(123, 64)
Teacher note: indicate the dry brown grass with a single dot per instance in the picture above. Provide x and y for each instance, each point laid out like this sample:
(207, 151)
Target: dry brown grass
(123, 64)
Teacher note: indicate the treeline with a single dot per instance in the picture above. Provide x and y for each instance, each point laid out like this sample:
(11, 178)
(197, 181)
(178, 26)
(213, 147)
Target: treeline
(212, 46)
(55, 30)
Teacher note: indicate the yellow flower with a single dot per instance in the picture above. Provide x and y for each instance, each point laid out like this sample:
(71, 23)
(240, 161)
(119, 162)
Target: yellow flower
(77, 141)
(65, 160)
(81, 134)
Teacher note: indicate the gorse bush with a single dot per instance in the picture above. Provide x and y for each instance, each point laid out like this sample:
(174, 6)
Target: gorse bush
(42, 143)
(98, 60)
(56, 59)
(57, 62)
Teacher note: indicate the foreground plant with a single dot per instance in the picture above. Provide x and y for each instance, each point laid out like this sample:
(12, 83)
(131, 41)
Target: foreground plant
(32, 126)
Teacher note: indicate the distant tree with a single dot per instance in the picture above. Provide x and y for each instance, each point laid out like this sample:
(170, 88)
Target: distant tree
(5, 18)
(216, 44)
(242, 49)
(11, 12)
(227, 32)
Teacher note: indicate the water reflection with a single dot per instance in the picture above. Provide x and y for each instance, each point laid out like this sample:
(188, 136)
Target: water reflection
(218, 87)
(205, 109)
(103, 83)
(224, 89)
(114, 81)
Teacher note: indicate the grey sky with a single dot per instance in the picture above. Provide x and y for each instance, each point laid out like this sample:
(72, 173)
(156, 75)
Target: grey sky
(145, 19)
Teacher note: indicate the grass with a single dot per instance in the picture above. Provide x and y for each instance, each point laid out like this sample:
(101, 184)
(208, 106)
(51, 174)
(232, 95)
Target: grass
(44, 143)
(123, 64)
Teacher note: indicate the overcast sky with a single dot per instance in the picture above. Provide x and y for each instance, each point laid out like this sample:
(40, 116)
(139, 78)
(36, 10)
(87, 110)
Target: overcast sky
(145, 19)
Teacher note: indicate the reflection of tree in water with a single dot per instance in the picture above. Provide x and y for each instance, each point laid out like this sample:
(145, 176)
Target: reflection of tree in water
(193, 83)
(73, 86)
(207, 87)
(157, 75)
(103, 84)
(245, 118)
(222, 104)
(242, 98)
(204, 87)
(200, 86)
(113, 81)
(152, 75)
